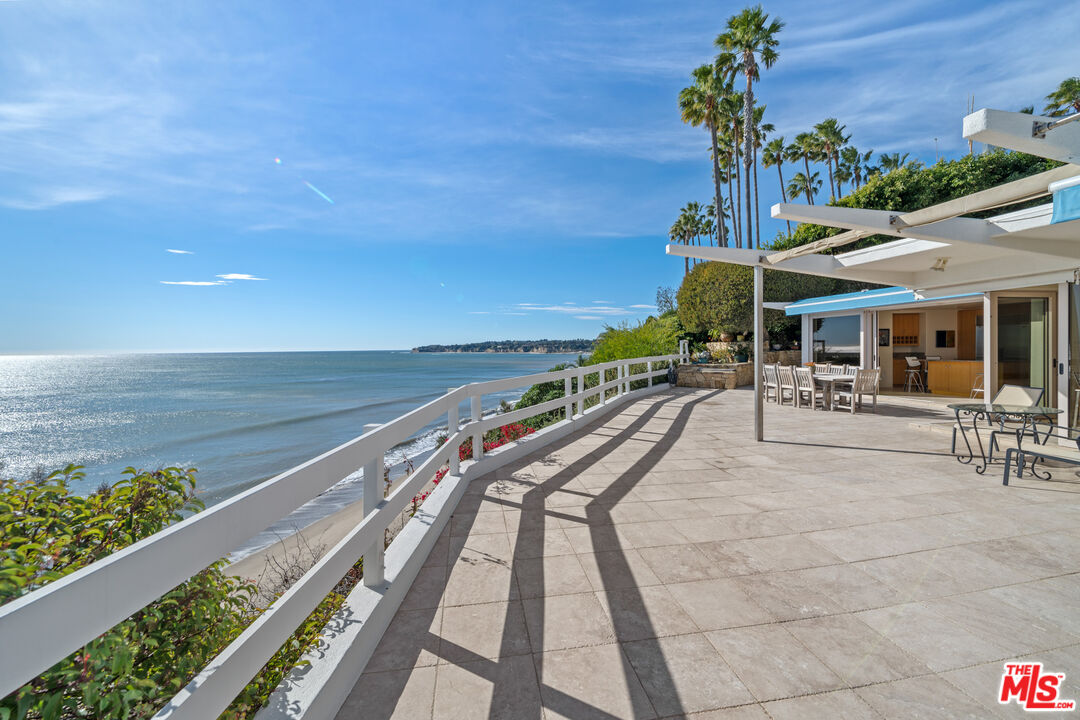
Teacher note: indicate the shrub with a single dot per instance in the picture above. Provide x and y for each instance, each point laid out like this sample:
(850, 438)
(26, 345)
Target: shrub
(47, 532)
(718, 297)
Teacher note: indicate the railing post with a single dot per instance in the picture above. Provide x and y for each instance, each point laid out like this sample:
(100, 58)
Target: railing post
(581, 391)
(373, 476)
(602, 377)
(452, 425)
(478, 435)
(568, 393)
(626, 374)
(648, 371)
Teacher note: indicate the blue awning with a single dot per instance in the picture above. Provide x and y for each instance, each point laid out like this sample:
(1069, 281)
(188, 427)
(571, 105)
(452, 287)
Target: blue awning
(1066, 200)
(864, 299)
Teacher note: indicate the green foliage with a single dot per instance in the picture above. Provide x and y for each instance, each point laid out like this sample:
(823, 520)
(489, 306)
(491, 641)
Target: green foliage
(47, 532)
(654, 336)
(718, 297)
(542, 393)
(130, 671)
(911, 188)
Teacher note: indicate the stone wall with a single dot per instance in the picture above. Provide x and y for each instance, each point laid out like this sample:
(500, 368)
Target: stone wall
(715, 375)
(784, 357)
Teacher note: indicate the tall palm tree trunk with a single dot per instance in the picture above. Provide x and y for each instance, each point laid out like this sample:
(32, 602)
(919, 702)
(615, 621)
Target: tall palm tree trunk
(748, 131)
(757, 205)
(738, 195)
(806, 164)
(731, 194)
(716, 183)
(832, 191)
(783, 192)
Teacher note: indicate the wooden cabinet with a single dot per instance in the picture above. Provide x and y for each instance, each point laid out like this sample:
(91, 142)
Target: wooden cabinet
(899, 368)
(905, 329)
(966, 322)
(952, 377)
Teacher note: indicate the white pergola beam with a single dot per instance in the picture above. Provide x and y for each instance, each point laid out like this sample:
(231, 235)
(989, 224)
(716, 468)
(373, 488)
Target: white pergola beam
(1015, 131)
(823, 265)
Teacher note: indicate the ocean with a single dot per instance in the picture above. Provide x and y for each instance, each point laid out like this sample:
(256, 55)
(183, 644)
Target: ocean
(239, 418)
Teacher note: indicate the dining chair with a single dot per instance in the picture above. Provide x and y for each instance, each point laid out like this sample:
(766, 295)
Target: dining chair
(977, 389)
(787, 384)
(772, 382)
(866, 383)
(805, 387)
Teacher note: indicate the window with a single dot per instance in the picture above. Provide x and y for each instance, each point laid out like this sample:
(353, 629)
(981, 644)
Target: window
(837, 339)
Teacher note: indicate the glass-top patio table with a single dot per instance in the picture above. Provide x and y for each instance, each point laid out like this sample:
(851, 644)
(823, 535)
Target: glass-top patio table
(978, 411)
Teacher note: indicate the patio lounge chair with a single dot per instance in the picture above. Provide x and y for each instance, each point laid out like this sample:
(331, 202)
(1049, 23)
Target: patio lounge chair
(1060, 444)
(805, 387)
(787, 384)
(866, 383)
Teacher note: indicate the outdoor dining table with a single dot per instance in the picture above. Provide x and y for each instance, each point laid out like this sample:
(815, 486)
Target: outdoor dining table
(980, 411)
(829, 381)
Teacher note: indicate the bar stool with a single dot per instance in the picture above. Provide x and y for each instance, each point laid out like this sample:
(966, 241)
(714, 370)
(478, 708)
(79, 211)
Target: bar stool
(913, 374)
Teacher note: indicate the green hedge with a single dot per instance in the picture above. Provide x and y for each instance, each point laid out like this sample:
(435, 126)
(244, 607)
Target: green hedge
(913, 187)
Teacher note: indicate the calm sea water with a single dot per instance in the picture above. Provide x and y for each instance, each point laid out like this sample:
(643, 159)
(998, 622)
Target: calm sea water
(237, 417)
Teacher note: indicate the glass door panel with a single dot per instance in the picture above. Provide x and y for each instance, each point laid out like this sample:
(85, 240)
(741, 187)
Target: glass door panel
(1024, 343)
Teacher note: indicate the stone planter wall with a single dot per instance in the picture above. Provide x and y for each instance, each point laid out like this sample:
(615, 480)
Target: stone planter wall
(784, 357)
(715, 375)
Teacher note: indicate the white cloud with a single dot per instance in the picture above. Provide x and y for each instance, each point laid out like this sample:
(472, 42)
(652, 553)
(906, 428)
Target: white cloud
(479, 312)
(198, 283)
(601, 302)
(595, 311)
(239, 276)
(588, 317)
(43, 199)
(179, 252)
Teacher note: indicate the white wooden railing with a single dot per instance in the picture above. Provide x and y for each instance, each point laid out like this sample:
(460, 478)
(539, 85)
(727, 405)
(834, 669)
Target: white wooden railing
(45, 626)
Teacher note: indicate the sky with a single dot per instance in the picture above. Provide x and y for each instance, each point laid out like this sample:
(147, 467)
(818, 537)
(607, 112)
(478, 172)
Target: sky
(207, 176)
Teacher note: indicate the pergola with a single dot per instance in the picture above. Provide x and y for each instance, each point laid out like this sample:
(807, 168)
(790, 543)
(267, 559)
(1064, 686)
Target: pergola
(938, 251)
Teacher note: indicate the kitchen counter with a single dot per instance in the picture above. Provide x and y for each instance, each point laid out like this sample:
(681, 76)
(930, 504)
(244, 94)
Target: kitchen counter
(952, 377)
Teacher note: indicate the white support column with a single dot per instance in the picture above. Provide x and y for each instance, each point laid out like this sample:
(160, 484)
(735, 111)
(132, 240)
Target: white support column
(477, 436)
(648, 371)
(567, 393)
(453, 422)
(989, 332)
(806, 341)
(1061, 372)
(374, 564)
(759, 354)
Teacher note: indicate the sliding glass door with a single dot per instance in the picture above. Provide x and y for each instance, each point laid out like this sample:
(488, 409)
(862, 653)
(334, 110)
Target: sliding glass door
(1024, 343)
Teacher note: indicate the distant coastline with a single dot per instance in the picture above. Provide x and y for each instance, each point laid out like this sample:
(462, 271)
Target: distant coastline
(512, 346)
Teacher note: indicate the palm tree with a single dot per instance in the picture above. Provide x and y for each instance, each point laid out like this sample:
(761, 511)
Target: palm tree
(750, 36)
(1065, 99)
(809, 148)
(832, 138)
(895, 161)
(800, 185)
(700, 105)
(774, 154)
(731, 107)
(677, 234)
(844, 174)
(761, 128)
(855, 161)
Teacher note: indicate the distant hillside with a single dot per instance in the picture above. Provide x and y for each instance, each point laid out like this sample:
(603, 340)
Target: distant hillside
(513, 346)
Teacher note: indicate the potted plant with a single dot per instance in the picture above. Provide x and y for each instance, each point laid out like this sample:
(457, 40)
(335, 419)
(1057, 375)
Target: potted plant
(726, 337)
(742, 353)
(740, 337)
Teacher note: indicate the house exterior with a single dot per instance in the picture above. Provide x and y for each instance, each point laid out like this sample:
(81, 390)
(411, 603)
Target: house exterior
(977, 301)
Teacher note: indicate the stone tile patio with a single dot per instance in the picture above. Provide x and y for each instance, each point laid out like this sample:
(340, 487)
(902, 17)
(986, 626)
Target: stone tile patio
(660, 564)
